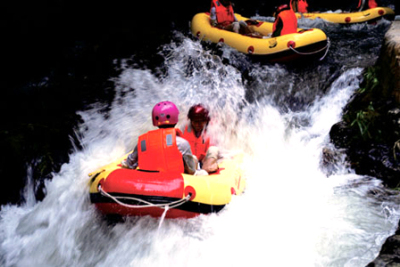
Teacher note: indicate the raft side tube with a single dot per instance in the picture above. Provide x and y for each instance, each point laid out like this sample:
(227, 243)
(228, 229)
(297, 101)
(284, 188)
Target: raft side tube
(202, 28)
(351, 17)
(136, 182)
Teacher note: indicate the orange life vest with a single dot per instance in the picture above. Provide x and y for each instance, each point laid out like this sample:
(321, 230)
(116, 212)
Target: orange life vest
(288, 20)
(157, 151)
(299, 6)
(225, 15)
(199, 145)
(302, 6)
(371, 4)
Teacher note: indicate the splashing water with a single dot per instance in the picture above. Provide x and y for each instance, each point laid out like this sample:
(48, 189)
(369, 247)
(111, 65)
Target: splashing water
(291, 214)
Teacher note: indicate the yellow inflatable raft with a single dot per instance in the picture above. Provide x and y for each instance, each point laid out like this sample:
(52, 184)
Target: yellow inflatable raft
(115, 190)
(368, 15)
(304, 43)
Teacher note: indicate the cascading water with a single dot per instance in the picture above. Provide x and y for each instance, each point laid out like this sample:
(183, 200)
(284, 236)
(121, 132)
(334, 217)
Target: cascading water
(293, 213)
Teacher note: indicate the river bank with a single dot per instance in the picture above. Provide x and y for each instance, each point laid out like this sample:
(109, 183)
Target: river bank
(390, 64)
(370, 129)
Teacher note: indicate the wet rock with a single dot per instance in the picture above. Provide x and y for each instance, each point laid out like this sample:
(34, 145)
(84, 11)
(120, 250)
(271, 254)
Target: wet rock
(376, 160)
(331, 159)
(390, 75)
(389, 61)
(341, 134)
(389, 254)
(370, 130)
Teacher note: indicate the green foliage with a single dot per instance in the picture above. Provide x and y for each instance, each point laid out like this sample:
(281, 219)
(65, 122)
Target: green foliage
(362, 115)
(363, 120)
(371, 81)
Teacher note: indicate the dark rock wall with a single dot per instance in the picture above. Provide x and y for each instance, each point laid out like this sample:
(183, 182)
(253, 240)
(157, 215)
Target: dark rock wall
(389, 62)
(388, 66)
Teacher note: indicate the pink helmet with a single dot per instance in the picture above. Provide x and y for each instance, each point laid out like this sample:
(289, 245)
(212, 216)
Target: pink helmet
(165, 113)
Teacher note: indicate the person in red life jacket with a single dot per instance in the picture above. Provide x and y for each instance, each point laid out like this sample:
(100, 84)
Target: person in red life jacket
(299, 6)
(223, 17)
(370, 4)
(162, 149)
(195, 132)
(285, 21)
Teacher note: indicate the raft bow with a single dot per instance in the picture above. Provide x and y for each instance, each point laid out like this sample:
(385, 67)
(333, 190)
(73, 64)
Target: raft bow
(115, 190)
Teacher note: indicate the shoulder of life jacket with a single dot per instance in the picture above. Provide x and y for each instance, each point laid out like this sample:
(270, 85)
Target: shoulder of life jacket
(178, 132)
(215, 3)
(158, 151)
(289, 22)
(199, 145)
(225, 15)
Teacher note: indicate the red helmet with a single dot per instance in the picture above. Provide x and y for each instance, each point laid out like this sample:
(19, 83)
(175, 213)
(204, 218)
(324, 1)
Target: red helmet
(198, 112)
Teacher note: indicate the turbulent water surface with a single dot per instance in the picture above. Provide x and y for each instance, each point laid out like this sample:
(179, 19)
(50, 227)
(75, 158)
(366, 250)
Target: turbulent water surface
(296, 210)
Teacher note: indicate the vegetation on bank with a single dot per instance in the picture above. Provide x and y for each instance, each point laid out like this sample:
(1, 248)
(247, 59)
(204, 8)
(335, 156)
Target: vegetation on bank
(373, 115)
(370, 130)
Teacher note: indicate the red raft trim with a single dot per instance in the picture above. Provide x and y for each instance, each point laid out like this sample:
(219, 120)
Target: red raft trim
(154, 187)
(136, 182)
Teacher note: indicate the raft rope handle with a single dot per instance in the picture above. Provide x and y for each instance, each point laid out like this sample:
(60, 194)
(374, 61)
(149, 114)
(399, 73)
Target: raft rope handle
(315, 52)
(171, 205)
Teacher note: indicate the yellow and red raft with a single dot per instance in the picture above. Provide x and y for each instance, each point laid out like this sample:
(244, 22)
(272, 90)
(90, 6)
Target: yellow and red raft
(115, 190)
(369, 15)
(305, 43)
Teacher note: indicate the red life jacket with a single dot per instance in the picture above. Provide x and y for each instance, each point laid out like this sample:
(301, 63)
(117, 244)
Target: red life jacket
(371, 4)
(225, 15)
(157, 151)
(199, 145)
(289, 21)
(302, 6)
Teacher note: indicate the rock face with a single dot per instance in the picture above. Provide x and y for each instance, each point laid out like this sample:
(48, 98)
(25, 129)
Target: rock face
(390, 252)
(389, 62)
(370, 130)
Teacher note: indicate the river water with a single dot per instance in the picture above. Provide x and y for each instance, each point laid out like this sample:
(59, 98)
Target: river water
(296, 210)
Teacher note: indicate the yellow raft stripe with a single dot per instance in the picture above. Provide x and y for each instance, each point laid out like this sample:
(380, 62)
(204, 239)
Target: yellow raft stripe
(217, 189)
(355, 17)
(202, 29)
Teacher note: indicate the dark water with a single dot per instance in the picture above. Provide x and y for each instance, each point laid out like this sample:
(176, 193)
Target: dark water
(61, 56)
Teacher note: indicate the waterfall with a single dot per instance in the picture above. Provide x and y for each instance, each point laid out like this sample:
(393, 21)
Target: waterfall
(292, 213)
